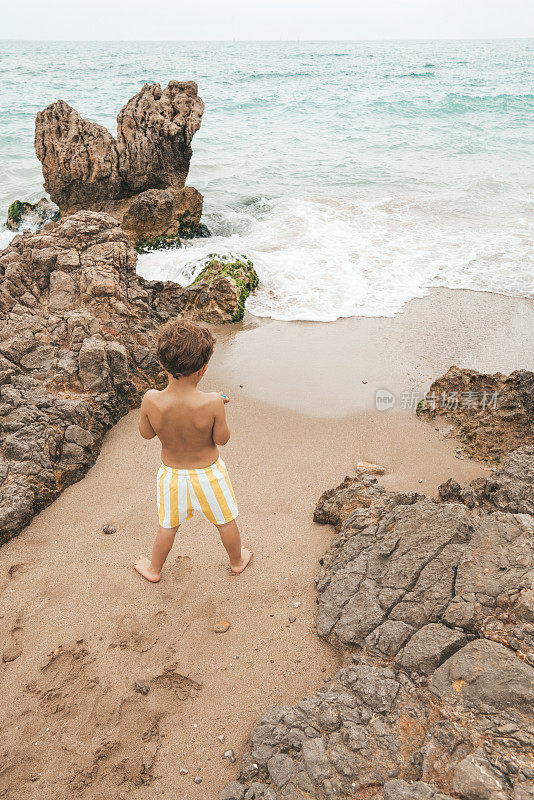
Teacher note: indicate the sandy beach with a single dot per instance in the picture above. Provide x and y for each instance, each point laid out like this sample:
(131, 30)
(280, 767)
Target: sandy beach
(302, 414)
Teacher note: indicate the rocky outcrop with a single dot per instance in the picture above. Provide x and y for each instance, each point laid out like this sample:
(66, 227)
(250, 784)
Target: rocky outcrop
(139, 177)
(77, 350)
(491, 414)
(432, 604)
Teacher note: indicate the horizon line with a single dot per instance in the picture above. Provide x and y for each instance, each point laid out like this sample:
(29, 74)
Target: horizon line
(294, 41)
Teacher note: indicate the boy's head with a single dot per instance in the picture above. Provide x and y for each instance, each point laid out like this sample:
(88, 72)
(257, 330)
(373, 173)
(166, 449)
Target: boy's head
(184, 347)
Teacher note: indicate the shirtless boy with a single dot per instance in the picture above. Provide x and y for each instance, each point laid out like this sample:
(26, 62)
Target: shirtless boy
(190, 425)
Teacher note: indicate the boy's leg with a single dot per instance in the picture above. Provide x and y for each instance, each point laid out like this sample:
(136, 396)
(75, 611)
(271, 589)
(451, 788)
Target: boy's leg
(239, 556)
(151, 569)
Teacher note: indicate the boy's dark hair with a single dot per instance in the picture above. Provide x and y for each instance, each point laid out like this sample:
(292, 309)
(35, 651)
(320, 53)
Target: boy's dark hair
(184, 347)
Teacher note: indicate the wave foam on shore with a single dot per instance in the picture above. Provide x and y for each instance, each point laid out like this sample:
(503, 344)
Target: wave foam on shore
(321, 258)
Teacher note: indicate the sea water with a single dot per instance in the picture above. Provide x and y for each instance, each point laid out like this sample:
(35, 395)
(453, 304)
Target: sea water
(356, 175)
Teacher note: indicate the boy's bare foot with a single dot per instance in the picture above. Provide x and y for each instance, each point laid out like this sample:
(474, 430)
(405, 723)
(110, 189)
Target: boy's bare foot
(246, 555)
(142, 565)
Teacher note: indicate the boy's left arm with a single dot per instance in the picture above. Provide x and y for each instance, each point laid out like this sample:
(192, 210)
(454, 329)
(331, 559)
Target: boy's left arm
(145, 428)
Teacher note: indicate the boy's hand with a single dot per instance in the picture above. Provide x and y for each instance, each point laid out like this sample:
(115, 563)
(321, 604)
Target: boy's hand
(225, 397)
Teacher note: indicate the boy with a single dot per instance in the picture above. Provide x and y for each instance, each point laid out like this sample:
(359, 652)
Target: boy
(190, 425)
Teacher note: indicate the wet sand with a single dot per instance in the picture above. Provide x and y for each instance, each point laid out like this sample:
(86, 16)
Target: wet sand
(89, 627)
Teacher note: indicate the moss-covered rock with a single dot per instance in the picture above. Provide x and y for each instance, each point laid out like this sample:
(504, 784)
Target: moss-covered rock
(217, 294)
(15, 213)
(35, 215)
(239, 272)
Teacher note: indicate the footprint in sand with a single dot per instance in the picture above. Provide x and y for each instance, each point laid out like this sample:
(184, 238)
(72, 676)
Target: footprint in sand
(131, 634)
(182, 568)
(16, 633)
(17, 569)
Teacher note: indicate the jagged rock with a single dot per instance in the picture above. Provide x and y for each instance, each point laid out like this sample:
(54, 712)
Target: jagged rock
(491, 414)
(216, 295)
(140, 177)
(511, 488)
(401, 569)
(31, 216)
(431, 601)
(335, 505)
(77, 350)
(154, 133)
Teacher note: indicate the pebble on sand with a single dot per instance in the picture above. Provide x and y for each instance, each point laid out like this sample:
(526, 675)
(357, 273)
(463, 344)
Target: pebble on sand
(11, 653)
(230, 755)
(141, 687)
(221, 627)
(184, 771)
(292, 619)
(198, 779)
(370, 469)
(109, 529)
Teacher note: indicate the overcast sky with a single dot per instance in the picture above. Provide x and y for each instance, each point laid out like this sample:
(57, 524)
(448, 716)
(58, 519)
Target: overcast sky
(265, 19)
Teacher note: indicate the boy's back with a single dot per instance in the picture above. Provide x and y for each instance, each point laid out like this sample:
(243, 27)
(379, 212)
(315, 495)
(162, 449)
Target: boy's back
(185, 421)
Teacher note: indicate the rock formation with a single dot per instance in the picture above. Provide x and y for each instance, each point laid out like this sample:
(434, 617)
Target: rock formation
(490, 414)
(77, 343)
(432, 604)
(139, 177)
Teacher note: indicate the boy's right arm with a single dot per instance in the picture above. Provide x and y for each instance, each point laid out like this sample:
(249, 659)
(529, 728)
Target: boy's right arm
(221, 431)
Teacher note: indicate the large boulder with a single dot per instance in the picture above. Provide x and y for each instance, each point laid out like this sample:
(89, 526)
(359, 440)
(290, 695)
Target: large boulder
(77, 351)
(84, 167)
(432, 605)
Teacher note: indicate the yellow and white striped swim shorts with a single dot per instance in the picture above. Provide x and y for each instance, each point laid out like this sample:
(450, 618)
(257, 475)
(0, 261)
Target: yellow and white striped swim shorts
(181, 492)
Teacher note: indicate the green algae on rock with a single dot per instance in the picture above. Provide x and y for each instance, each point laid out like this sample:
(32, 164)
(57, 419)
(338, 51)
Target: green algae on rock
(15, 213)
(35, 215)
(240, 272)
(163, 242)
(193, 230)
(218, 293)
(167, 241)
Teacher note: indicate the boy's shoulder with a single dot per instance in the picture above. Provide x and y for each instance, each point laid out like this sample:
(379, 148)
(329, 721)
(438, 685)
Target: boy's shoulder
(150, 397)
(212, 399)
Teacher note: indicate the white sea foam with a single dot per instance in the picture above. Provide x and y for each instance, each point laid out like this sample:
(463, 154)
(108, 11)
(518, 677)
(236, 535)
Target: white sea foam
(320, 259)
(5, 237)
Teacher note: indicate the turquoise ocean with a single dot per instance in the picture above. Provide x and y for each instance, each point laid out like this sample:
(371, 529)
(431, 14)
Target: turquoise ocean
(356, 175)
